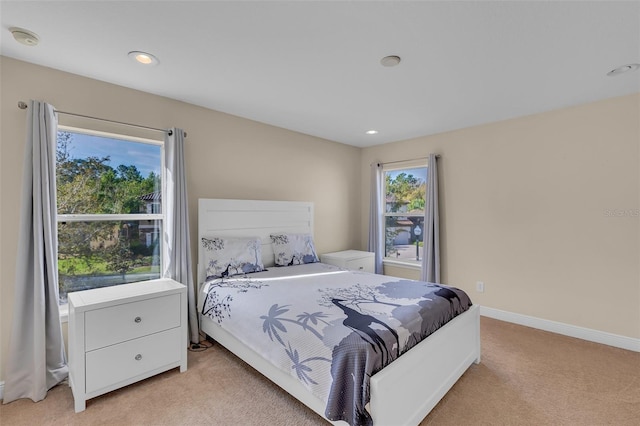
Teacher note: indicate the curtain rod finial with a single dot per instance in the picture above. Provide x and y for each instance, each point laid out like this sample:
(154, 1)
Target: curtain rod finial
(22, 105)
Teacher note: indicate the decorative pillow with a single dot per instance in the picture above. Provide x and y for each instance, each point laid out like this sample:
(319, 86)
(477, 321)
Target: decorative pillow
(225, 257)
(293, 249)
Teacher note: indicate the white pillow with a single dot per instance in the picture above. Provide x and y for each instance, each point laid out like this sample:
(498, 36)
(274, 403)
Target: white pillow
(226, 256)
(293, 249)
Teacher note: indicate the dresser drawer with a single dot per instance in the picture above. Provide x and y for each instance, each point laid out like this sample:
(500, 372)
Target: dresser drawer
(115, 324)
(365, 264)
(113, 364)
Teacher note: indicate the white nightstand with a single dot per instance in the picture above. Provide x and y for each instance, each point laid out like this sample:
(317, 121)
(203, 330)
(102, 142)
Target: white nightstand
(355, 260)
(122, 334)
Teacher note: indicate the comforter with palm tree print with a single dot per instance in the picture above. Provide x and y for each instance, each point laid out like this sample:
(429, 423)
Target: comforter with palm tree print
(330, 328)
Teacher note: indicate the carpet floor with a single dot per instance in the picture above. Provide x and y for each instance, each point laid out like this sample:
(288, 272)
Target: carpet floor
(526, 377)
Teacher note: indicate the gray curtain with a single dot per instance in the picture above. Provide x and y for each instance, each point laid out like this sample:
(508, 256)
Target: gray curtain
(36, 360)
(177, 245)
(376, 225)
(431, 235)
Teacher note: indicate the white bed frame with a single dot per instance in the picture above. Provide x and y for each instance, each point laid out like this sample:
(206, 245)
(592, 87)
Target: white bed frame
(405, 391)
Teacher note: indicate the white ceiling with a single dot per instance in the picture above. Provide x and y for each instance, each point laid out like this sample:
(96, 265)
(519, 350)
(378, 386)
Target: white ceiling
(314, 67)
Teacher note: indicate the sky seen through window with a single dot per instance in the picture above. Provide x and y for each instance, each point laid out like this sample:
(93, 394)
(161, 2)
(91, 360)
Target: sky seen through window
(146, 157)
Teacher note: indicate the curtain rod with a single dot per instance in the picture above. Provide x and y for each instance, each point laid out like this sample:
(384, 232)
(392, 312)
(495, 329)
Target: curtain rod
(23, 105)
(402, 161)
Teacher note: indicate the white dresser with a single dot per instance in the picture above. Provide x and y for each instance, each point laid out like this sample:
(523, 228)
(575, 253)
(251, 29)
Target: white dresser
(122, 334)
(354, 260)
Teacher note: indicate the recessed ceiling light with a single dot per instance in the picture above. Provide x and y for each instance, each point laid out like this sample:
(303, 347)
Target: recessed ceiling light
(26, 37)
(371, 132)
(390, 61)
(623, 69)
(143, 57)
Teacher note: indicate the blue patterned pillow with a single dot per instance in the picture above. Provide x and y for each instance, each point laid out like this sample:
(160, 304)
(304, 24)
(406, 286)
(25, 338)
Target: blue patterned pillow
(225, 257)
(293, 249)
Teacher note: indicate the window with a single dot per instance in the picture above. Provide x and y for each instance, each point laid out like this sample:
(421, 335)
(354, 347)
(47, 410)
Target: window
(404, 201)
(110, 213)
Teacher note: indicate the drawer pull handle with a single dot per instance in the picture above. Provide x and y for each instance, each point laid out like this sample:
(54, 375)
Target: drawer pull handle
(361, 268)
(138, 357)
(138, 319)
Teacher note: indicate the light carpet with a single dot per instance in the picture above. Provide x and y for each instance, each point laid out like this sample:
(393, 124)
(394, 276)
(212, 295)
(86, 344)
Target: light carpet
(526, 377)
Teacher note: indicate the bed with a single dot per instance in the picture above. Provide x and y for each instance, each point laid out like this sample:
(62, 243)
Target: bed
(401, 393)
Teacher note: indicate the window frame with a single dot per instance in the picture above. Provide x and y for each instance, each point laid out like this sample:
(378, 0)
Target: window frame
(397, 166)
(89, 217)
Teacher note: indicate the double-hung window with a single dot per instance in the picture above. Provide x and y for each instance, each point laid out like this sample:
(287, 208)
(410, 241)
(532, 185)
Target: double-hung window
(404, 198)
(110, 209)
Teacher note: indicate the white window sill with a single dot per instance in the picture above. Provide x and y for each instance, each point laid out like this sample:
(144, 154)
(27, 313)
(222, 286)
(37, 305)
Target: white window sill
(403, 264)
(64, 313)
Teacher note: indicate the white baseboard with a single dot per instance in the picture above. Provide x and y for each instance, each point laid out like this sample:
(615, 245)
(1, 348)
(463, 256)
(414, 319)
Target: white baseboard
(596, 336)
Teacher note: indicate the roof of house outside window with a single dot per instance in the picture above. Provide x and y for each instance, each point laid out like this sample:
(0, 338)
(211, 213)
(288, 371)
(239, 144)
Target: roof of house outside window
(152, 196)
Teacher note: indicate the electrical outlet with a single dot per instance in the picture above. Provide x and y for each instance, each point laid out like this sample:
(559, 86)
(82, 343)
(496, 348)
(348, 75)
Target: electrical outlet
(479, 286)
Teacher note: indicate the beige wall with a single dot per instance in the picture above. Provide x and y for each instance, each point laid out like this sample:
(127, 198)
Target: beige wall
(227, 157)
(525, 206)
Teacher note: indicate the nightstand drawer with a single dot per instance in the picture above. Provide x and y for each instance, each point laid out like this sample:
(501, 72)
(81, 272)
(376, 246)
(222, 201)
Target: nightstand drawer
(365, 264)
(108, 366)
(115, 324)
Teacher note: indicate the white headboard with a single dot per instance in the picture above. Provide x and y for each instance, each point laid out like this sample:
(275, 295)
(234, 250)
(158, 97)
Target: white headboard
(251, 218)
